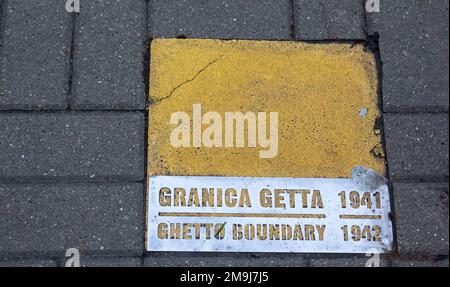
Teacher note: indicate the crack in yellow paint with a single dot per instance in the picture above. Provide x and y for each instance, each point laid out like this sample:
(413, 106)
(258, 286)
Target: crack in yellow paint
(190, 80)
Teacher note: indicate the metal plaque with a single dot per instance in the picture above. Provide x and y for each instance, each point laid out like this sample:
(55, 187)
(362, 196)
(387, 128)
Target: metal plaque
(243, 214)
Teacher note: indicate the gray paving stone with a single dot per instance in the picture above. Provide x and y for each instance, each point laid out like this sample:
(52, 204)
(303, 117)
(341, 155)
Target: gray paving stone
(421, 215)
(414, 50)
(417, 146)
(329, 20)
(110, 262)
(1, 18)
(27, 263)
(348, 261)
(47, 219)
(417, 263)
(223, 19)
(84, 146)
(223, 260)
(35, 55)
(109, 55)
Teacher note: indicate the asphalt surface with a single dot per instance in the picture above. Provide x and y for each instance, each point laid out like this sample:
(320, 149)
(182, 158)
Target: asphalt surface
(73, 97)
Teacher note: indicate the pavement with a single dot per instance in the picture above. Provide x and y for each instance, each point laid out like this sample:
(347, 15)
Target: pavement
(73, 120)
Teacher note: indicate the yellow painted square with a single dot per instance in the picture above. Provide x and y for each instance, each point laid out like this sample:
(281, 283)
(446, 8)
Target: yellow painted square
(325, 95)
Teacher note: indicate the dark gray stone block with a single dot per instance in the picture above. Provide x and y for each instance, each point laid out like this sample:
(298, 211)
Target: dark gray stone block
(223, 260)
(35, 55)
(421, 264)
(354, 262)
(417, 146)
(46, 220)
(27, 263)
(222, 19)
(421, 215)
(109, 53)
(110, 262)
(414, 51)
(329, 20)
(88, 146)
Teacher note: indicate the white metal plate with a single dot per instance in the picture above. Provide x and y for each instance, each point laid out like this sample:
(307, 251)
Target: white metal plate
(278, 215)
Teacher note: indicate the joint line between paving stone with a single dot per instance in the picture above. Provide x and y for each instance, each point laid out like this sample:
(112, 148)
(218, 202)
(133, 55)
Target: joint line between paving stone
(61, 112)
(292, 28)
(149, 27)
(365, 26)
(71, 63)
(1, 31)
(68, 180)
(147, 87)
(146, 60)
(372, 44)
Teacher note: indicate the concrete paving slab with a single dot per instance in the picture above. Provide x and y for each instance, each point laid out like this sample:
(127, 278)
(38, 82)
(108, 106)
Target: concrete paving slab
(46, 220)
(422, 219)
(414, 51)
(223, 260)
(106, 262)
(421, 264)
(109, 56)
(90, 146)
(329, 20)
(13, 263)
(359, 261)
(35, 55)
(221, 19)
(417, 146)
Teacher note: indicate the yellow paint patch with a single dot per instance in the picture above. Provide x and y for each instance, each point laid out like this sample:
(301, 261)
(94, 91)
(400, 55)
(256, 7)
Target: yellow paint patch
(325, 95)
